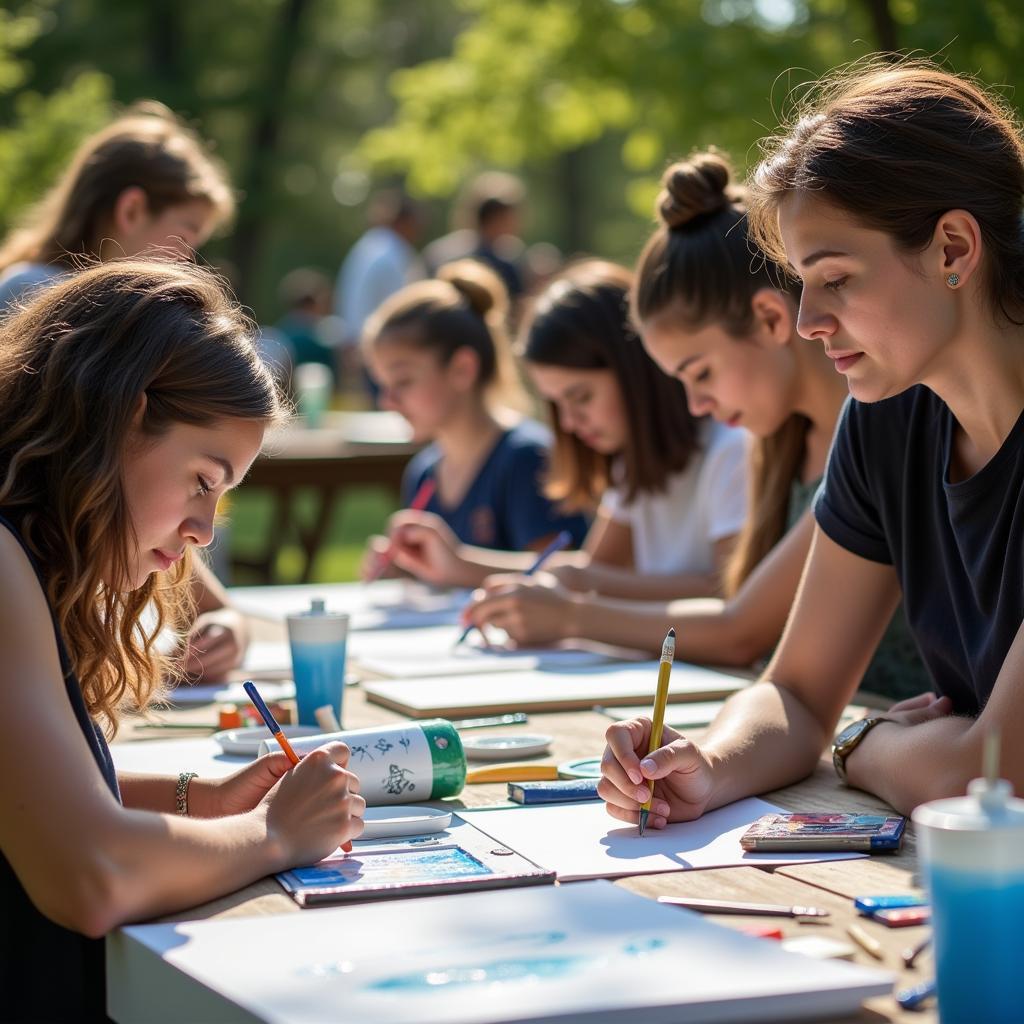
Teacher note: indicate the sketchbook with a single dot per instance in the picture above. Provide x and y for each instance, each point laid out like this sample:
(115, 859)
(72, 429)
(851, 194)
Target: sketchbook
(386, 604)
(583, 841)
(553, 690)
(590, 953)
(455, 860)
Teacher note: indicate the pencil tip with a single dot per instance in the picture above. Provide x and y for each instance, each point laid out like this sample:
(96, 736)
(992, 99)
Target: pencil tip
(643, 821)
(672, 632)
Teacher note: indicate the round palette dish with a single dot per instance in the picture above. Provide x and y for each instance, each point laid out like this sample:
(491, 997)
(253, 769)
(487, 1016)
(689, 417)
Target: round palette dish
(393, 822)
(246, 742)
(583, 768)
(508, 747)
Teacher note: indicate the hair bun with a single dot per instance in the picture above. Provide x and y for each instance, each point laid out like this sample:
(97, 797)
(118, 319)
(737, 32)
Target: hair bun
(694, 187)
(478, 285)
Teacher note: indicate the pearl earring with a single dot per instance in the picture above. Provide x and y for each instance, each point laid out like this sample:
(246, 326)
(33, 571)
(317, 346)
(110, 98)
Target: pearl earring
(953, 280)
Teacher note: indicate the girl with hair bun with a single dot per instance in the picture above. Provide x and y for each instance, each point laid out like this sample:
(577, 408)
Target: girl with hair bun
(668, 485)
(131, 400)
(439, 352)
(723, 322)
(897, 199)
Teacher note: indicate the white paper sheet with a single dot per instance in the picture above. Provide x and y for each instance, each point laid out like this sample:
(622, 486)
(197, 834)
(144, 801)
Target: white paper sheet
(226, 693)
(583, 841)
(591, 952)
(386, 604)
(552, 689)
(412, 653)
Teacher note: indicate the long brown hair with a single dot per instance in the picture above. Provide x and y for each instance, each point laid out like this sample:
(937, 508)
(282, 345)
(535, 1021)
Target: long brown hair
(466, 306)
(897, 147)
(700, 262)
(581, 321)
(73, 366)
(148, 148)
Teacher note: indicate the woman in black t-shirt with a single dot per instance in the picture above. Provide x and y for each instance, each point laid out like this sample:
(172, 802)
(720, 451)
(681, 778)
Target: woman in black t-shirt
(896, 198)
(131, 399)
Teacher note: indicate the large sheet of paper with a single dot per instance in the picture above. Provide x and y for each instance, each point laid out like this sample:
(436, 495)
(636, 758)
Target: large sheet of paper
(412, 653)
(554, 690)
(583, 841)
(386, 604)
(679, 716)
(227, 693)
(591, 953)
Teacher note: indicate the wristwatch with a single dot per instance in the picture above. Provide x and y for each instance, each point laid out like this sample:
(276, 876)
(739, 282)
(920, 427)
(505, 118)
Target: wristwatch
(848, 740)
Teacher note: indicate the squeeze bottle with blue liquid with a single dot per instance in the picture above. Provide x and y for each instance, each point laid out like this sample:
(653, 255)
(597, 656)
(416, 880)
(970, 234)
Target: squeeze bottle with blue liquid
(973, 854)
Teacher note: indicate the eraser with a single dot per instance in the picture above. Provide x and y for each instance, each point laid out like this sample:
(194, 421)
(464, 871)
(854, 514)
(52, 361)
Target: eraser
(563, 791)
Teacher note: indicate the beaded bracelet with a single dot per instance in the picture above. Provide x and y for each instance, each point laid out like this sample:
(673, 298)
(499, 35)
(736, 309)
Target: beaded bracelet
(181, 792)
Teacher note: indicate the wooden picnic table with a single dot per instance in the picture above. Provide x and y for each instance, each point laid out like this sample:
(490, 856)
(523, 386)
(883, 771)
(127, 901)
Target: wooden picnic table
(580, 734)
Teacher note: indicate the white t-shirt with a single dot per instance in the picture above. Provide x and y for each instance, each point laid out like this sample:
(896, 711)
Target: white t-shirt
(674, 531)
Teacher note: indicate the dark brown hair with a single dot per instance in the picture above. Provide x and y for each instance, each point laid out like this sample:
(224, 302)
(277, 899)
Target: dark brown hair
(73, 366)
(581, 321)
(466, 306)
(897, 147)
(148, 148)
(700, 263)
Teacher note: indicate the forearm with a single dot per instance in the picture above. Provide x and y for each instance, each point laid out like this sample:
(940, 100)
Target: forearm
(159, 793)
(909, 765)
(764, 738)
(708, 630)
(476, 564)
(612, 581)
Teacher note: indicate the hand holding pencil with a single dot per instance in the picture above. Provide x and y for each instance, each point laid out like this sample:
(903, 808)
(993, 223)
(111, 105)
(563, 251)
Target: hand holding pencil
(384, 558)
(314, 807)
(649, 766)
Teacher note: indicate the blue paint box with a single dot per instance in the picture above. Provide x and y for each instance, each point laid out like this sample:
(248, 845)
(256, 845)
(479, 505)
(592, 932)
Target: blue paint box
(564, 791)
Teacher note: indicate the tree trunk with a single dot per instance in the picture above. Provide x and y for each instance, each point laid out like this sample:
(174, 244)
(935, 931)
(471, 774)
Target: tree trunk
(248, 240)
(884, 25)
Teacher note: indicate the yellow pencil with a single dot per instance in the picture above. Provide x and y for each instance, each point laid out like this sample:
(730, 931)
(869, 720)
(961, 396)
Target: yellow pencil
(668, 652)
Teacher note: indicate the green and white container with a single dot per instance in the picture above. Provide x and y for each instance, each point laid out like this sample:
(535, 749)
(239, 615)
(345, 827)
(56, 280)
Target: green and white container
(398, 764)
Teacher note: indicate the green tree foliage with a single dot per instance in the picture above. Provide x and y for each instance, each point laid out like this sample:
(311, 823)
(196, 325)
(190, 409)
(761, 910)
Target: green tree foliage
(527, 80)
(41, 129)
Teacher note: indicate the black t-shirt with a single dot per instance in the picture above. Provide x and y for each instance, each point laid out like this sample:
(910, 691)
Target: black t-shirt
(958, 548)
(49, 973)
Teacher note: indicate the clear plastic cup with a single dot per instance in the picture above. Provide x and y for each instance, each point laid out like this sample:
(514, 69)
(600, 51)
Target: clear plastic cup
(972, 851)
(318, 640)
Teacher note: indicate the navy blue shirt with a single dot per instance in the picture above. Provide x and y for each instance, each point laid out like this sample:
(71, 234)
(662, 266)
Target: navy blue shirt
(47, 972)
(958, 548)
(505, 507)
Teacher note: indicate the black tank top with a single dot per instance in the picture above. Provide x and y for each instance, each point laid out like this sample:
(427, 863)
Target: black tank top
(49, 973)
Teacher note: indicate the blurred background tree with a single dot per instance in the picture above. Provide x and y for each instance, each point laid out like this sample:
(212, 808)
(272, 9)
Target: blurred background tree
(312, 102)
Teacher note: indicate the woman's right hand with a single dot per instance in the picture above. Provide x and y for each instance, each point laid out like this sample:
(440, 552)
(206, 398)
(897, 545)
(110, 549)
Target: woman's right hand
(316, 807)
(424, 545)
(376, 564)
(682, 775)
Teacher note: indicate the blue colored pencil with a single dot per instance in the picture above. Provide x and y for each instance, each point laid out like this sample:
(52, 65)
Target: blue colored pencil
(560, 543)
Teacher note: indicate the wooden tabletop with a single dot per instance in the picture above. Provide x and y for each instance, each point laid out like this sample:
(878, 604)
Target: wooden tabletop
(579, 734)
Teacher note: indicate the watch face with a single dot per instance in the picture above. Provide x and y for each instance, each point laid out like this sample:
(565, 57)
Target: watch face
(851, 732)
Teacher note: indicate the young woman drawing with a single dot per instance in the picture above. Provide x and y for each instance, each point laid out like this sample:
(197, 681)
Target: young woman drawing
(131, 400)
(896, 197)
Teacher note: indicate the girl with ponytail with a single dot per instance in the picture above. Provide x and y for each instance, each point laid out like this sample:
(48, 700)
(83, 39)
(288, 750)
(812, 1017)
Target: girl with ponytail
(439, 351)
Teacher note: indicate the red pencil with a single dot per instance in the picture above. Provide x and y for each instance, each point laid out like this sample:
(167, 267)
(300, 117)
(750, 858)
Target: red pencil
(418, 504)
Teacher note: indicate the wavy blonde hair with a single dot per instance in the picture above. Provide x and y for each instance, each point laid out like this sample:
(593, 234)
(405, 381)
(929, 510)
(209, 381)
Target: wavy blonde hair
(73, 366)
